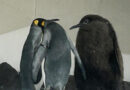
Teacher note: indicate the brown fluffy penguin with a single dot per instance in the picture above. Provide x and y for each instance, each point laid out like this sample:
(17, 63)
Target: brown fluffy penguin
(98, 48)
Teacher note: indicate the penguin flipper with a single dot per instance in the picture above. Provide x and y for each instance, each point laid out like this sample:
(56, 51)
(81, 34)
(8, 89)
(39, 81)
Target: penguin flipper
(40, 54)
(38, 58)
(39, 76)
(75, 52)
(116, 56)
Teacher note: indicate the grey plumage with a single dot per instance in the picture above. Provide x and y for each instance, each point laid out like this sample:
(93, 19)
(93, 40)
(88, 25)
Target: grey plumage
(56, 49)
(31, 44)
(99, 51)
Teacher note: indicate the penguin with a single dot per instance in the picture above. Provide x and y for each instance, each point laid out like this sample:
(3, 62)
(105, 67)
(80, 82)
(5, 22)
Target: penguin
(98, 48)
(56, 48)
(29, 50)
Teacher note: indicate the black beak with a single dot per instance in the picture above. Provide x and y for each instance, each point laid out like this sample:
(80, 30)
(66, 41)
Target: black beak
(76, 26)
(52, 20)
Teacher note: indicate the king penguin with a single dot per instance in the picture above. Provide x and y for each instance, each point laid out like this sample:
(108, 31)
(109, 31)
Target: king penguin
(30, 47)
(98, 48)
(56, 49)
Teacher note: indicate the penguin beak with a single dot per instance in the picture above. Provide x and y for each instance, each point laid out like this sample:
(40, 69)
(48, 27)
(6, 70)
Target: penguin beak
(76, 26)
(48, 22)
(52, 20)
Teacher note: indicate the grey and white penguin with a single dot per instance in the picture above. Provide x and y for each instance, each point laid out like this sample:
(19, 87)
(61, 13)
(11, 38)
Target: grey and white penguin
(56, 49)
(98, 48)
(30, 47)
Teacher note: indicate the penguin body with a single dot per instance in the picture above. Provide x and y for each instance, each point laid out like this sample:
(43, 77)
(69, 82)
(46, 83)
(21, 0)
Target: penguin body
(58, 58)
(99, 51)
(31, 44)
(56, 49)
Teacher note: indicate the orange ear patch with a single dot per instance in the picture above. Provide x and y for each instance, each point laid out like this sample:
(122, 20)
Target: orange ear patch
(36, 22)
(43, 23)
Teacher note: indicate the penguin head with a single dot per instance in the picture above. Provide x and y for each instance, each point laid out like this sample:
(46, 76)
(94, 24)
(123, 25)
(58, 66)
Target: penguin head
(91, 22)
(42, 23)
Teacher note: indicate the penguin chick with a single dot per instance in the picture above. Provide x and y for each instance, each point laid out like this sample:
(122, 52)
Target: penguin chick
(98, 48)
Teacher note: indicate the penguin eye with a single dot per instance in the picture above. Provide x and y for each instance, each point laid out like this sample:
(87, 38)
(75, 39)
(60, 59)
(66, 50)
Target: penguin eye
(86, 21)
(36, 22)
(43, 23)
